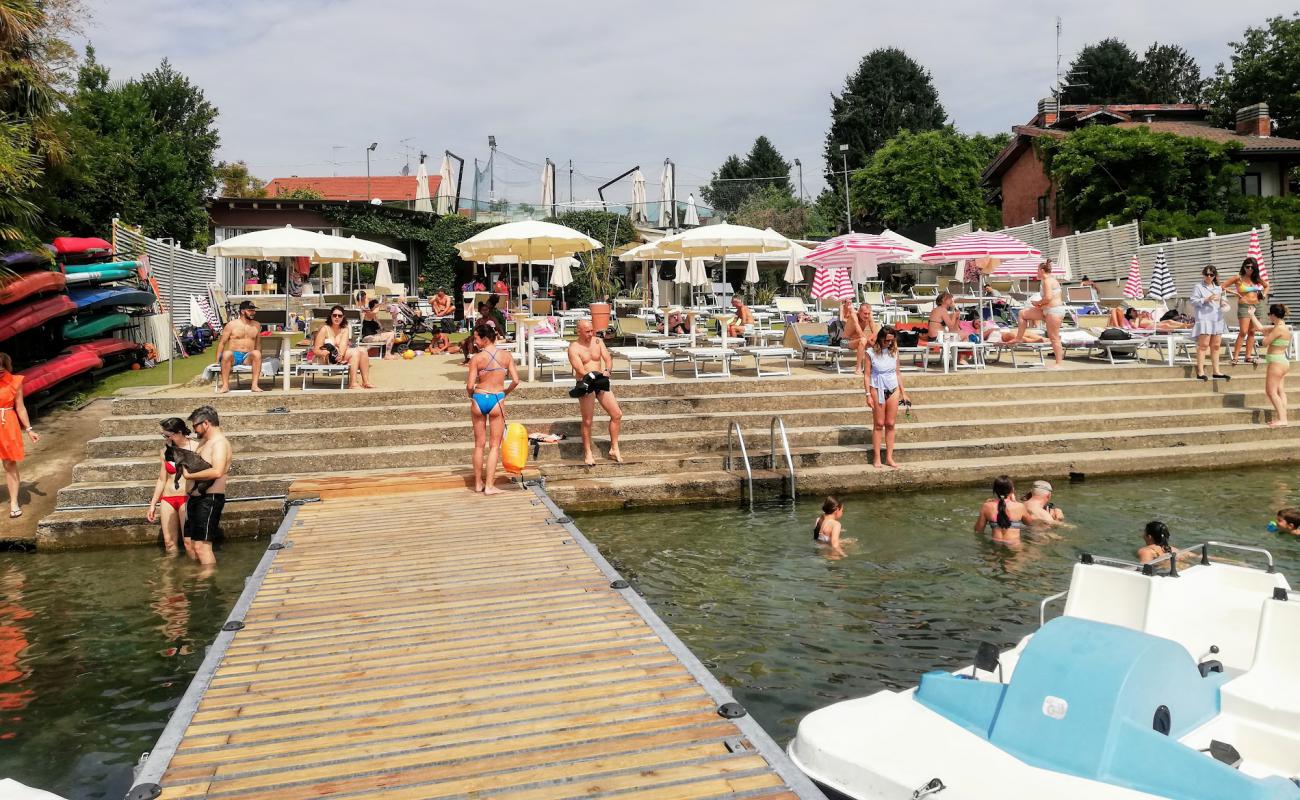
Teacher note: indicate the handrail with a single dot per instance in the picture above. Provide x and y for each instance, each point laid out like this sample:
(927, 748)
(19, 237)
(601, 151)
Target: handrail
(785, 445)
(744, 454)
(1247, 548)
(1042, 607)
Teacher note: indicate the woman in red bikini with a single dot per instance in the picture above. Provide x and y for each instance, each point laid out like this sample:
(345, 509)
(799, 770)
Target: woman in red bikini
(171, 489)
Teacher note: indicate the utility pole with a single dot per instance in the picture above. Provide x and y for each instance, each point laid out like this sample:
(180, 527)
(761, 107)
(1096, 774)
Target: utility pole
(570, 183)
(476, 190)
(799, 164)
(492, 169)
(369, 195)
(848, 214)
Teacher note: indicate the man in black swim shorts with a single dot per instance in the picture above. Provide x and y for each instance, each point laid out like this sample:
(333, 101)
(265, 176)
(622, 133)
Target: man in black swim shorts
(592, 365)
(203, 511)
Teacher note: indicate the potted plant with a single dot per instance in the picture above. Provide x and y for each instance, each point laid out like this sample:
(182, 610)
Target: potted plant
(604, 285)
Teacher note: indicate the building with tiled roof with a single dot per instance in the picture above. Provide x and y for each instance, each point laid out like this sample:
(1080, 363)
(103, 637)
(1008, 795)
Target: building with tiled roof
(1017, 180)
(387, 188)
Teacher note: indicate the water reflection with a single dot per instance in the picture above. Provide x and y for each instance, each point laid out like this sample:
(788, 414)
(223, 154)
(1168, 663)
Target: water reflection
(13, 646)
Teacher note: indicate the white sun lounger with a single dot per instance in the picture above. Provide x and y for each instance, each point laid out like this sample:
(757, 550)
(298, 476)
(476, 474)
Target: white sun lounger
(643, 355)
(707, 355)
(760, 353)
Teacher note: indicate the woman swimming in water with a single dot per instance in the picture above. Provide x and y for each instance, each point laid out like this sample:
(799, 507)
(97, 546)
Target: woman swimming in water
(487, 392)
(1002, 513)
(827, 528)
(1156, 536)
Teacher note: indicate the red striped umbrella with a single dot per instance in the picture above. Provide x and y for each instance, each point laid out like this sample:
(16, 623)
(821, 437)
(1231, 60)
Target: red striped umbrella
(1024, 268)
(832, 283)
(1133, 286)
(840, 252)
(979, 244)
(1256, 252)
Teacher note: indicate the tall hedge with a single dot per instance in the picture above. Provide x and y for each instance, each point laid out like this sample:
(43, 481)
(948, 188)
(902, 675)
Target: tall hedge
(436, 237)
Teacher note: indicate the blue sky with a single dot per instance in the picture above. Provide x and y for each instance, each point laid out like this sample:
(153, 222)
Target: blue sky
(304, 85)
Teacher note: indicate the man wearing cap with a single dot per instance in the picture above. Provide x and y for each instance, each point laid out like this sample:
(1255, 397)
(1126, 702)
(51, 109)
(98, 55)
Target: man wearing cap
(1039, 508)
(238, 346)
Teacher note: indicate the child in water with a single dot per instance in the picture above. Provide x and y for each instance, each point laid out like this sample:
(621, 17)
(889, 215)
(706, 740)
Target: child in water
(827, 528)
(1286, 521)
(1156, 536)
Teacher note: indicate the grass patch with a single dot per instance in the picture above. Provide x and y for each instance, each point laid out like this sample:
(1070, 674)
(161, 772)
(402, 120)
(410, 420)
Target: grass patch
(184, 370)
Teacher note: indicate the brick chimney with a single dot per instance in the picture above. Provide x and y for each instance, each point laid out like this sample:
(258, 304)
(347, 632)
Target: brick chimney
(1254, 121)
(1048, 112)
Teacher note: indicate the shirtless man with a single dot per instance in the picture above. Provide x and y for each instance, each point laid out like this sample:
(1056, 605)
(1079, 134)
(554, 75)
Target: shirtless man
(333, 345)
(238, 345)
(1037, 505)
(1049, 309)
(943, 317)
(203, 512)
(859, 331)
(442, 305)
(743, 319)
(592, 365)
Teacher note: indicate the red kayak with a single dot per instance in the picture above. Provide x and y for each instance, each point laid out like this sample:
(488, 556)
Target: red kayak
(57, 370)
(81, 246)
(17, 319)
(25, 286)
(106, 348)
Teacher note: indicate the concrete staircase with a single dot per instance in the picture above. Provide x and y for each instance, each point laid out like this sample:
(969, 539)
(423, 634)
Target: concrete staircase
(965, 428)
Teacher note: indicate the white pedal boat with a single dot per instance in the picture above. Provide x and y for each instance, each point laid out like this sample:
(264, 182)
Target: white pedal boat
(1153, 683)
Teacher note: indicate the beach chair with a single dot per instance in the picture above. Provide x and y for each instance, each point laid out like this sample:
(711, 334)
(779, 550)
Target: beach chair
(1110, 294)
(703, 356)
(630, 328)
(541, 308)
(643, 355)
(833, 355)
(789, 307)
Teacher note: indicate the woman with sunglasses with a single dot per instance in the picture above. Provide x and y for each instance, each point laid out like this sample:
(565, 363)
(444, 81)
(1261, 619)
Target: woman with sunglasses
(171, 490)
(1207, 300)
(884, 390)
(333, 345)
(1251, 289)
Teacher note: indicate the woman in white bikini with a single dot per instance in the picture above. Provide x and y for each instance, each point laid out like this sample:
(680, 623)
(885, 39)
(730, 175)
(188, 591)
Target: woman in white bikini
(884, 392)
(1048, 309)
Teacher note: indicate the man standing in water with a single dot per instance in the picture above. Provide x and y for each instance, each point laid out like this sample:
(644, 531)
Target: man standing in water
(203, 512)
(238, 345)
(592, 365)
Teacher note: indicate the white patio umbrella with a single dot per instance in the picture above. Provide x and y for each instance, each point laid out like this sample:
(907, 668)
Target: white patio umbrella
(286, 242)
(692, 214)
(528, 240)
(666, 195)
(548, 187)
(422, 201)
(722, 240)
(446, 191)
(639, 198)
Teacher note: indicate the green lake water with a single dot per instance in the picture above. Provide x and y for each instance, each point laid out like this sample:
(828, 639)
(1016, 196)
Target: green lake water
(789, 630)
(96, 648)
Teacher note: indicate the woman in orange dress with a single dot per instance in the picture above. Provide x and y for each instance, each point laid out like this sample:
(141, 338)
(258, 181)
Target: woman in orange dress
(13, 421)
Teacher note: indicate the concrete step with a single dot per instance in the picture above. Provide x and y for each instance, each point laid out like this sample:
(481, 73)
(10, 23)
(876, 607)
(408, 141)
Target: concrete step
(91, 494)
(717, 486)
(564, 407)
(64, 530)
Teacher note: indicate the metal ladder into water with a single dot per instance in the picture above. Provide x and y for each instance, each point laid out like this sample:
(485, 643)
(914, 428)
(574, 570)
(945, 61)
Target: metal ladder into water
(735, 435)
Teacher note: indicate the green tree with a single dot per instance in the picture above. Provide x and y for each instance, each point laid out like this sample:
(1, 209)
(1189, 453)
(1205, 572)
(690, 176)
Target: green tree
(923, 178)
(298, 193)
(769, 207)
(1265, 69)
(1104, 173)
(1169, 74)
(736, 180)
(888, 92)
(142, 149)
(1105, 72)
(235, 180)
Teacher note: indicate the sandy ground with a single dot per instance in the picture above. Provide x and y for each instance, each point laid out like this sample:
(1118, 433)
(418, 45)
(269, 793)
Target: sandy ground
(49, 463)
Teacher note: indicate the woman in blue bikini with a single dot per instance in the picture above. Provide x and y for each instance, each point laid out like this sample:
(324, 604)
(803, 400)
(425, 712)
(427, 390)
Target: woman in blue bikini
(487, 390)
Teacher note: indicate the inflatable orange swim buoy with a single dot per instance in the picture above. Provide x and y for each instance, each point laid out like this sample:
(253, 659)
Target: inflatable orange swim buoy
(514, 450)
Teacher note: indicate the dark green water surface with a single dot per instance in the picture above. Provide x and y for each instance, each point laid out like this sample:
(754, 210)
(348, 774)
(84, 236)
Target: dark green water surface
(789, 629)
(96, 649)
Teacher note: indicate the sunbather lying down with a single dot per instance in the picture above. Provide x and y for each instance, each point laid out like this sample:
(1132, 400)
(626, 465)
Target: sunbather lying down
(998, 335)
(1130, 319)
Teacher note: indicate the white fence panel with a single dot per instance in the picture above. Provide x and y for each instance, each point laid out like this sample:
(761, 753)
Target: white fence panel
(192, 271)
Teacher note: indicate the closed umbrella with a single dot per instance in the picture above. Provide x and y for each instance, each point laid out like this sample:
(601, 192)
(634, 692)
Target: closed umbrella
(1253, 250)
(422, 200)
(830, 283)
(1063, 261)
(681, 274)
(382, 276)
(692, 214)
(446, 191)
(638, 198)
(793, 274)
(1162, 281)
(666, 195)
(751, 270)
(562, 274)
(548, 187)
(1133, 286)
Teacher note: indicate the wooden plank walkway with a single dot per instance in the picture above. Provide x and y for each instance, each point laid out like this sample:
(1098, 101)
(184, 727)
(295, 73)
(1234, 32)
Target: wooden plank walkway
(444, 644)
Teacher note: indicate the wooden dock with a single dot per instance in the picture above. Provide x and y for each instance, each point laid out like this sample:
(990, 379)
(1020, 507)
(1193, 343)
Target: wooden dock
(428, 644)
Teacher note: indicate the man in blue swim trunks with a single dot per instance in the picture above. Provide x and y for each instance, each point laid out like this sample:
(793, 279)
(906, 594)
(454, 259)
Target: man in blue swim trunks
(238, 346)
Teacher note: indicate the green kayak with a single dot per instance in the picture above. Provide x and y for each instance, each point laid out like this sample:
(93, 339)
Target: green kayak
(86, 327)
(101, 266)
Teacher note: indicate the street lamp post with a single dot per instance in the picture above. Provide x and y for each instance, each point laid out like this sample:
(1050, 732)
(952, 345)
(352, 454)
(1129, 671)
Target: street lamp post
(171, 305)
(799, 164)
(369, 150)
(848, 214)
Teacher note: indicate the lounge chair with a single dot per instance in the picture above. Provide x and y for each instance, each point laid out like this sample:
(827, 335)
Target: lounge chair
(699, 356)
(643, 355)
(834, 355)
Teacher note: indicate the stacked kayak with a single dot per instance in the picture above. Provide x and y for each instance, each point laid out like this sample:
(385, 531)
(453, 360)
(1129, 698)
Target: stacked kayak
(76, 248)
(21, 319)
(97, 297)
(86, 327)
(107, 348)
(59, 369)
(28, 284)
